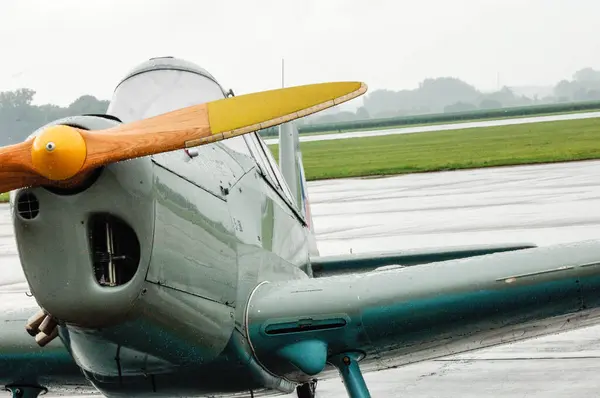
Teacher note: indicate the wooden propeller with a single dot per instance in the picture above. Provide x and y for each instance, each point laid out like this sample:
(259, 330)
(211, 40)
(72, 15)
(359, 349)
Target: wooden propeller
(62, 154)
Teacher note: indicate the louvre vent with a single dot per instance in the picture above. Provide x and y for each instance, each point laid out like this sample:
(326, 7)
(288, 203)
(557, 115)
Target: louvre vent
(28, 206)
(115, 250)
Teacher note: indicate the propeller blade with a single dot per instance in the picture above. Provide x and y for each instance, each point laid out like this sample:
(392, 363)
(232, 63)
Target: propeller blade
(61, 154)
(214, 121)
(16, 170)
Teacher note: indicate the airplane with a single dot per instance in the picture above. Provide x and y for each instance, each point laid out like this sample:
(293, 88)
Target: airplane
(168, 253)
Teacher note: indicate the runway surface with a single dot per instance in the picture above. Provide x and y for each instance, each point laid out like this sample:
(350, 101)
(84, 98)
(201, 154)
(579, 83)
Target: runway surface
(441, 127)
(544, 204)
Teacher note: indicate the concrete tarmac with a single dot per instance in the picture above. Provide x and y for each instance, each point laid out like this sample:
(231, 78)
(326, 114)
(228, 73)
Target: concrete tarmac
(544, 204)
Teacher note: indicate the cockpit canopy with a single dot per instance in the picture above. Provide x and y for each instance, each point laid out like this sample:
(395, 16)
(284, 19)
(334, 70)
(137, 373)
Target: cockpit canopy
(165, 84)
(161, 85)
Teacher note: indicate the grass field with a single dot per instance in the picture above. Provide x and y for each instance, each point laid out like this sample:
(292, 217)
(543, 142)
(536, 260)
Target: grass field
(451, 150)
(3, 197)
(478, 114)
(439, 123)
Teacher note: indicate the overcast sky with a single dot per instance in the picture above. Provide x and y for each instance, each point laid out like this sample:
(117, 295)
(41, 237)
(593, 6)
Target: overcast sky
(66, 48)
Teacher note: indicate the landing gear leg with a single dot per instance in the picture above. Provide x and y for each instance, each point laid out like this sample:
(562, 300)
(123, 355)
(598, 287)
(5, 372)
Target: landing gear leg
(26, 391)
(347, 365)
(307, 390)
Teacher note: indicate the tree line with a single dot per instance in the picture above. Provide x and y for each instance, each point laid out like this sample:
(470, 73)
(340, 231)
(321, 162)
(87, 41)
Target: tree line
(19, 117)
(448, 95)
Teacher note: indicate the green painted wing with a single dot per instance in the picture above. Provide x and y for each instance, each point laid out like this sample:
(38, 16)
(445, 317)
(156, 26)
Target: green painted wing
(351, 263)
(22, 360)
(404, 315)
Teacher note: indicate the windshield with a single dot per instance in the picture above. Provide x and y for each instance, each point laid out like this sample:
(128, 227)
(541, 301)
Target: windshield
(159, 91)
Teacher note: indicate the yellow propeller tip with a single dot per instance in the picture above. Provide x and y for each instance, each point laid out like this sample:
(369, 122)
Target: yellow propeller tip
(245, 113)
(58, 152)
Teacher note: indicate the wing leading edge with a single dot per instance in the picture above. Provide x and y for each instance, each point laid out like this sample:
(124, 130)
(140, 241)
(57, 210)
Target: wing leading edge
(22, 361)
(352, 263)
(400, 316)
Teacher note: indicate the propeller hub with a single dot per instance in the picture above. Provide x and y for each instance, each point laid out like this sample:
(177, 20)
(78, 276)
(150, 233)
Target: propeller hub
(58, 152)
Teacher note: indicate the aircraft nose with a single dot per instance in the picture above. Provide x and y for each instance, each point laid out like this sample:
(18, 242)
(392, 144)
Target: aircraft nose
(85, 254)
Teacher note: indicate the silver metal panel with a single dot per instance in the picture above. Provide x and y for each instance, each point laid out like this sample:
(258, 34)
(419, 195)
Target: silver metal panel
(212, 169)
(276, 230)
(193, 249)
(182, 327)
(271, 246)
(59, 270)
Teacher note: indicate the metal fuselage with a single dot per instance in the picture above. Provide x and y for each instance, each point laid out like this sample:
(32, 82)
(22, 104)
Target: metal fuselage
(155, 269)
(150, 268)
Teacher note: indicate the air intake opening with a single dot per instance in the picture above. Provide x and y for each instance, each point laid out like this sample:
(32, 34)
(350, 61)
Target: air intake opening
(115, 250)
(28, 206)
(305, 325)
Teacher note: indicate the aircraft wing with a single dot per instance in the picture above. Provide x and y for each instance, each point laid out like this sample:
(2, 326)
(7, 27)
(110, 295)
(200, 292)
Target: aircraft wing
(351, 263)
(21, 359)
(403, 315)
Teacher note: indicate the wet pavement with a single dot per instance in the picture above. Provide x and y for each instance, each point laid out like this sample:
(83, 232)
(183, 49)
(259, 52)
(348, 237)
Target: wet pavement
(543, 204)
